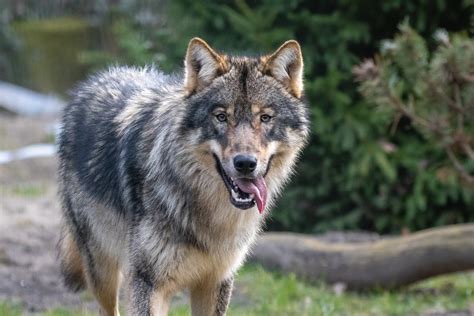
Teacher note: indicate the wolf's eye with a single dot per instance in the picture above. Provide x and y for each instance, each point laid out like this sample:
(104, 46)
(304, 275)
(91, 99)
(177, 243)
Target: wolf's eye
(265, 118)
(221, 117)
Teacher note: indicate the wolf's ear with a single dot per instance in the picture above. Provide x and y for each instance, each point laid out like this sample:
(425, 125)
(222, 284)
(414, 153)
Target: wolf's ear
(202, 65)
(286, 66)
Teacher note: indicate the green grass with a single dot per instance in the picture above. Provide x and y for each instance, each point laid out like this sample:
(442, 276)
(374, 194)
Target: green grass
(24, 190)
(260, 292)
(8, 309)
(274, 294)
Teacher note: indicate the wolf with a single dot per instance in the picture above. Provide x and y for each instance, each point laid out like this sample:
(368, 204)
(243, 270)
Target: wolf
(166, 180)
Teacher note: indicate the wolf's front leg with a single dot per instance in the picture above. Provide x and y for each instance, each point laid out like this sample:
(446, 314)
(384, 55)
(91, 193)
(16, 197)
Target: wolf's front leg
(211, 298)
(147, 297)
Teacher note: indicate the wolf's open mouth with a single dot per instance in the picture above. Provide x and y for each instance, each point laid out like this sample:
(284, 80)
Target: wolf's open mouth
(244, 193)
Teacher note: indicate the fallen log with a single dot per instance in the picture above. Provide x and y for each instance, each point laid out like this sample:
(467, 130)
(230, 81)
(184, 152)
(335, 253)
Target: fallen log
(387, 263)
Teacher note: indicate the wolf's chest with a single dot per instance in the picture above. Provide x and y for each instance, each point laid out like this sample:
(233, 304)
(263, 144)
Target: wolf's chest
(221, 260)
(217, 265)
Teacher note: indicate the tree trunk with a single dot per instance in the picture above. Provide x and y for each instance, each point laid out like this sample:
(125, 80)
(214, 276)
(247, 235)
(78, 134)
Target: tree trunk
(386, 263)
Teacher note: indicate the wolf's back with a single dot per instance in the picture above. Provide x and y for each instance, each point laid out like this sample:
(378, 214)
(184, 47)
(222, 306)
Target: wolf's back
(93, 145)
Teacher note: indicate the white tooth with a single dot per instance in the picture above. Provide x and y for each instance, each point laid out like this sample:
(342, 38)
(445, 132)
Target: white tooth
(243, 200)
(234, 194)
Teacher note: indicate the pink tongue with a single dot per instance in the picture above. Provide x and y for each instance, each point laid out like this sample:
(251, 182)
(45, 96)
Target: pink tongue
(256, 186)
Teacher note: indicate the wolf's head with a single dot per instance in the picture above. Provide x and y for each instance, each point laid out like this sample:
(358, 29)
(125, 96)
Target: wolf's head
(248, 115)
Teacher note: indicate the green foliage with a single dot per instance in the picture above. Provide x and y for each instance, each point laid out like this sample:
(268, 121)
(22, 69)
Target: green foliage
(122, 41)
(434, 91)
(356, 173)
(9, 47)
(361, 170)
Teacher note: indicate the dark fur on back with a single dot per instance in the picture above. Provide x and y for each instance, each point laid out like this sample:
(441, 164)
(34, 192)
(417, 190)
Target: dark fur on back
(89, 141)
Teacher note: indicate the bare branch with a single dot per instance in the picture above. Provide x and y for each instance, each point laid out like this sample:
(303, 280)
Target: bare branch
(469, 179)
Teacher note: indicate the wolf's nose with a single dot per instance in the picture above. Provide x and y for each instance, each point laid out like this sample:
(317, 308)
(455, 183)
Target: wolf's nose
(245, 164)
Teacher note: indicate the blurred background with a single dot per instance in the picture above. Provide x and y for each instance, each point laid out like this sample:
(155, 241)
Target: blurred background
(389, 83)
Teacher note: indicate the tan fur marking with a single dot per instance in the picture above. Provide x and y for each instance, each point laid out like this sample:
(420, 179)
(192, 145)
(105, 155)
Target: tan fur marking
(204, 298)
(256, 108)
(243, 138)
(106, 289)
(71, 257)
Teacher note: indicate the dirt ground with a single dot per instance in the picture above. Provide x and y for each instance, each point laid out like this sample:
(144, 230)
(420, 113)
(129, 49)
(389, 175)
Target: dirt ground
(29, 221)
